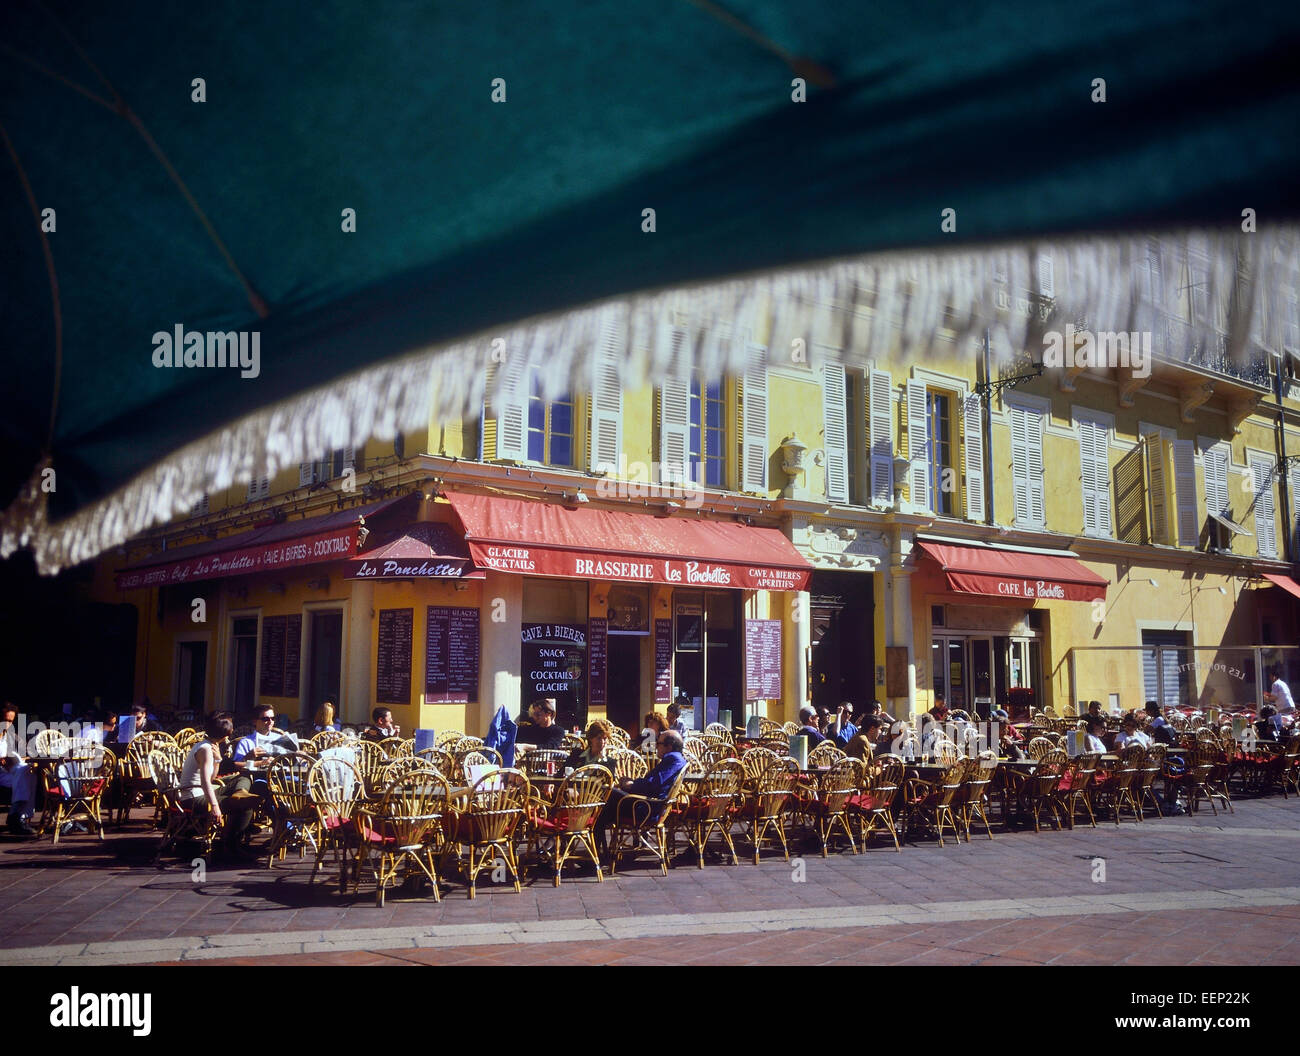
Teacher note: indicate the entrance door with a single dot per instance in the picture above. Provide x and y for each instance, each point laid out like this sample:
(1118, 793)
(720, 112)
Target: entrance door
(843, 640)
(191, 675)
(981, 676)
(325, 660)
(243, 665)
(623, 681)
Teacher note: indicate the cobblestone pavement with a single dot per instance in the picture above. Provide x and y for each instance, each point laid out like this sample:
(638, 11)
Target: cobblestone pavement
(1021, 897)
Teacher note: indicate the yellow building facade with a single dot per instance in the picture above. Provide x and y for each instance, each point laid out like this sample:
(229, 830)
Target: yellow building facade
(969, 523)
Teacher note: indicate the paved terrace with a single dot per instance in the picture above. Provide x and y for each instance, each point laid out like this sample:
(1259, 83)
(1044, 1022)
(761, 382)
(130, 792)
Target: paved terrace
(1184, 890)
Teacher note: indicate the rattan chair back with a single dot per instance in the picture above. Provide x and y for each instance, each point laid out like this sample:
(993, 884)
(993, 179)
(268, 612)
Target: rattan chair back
(824, 754)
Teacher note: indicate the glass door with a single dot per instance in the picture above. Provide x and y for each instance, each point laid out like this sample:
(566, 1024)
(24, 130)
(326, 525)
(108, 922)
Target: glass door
(957, 674)
(981, 674)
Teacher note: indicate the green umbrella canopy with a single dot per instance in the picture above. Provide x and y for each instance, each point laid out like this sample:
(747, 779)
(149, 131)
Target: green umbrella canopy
(473, 214)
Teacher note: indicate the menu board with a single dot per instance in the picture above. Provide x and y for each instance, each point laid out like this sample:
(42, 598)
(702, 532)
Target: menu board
(663, 661)
(273, 637)
(762, 659)
(597, 662)
(292, 654)
(393, 670)
(451, 655)
(555, 665)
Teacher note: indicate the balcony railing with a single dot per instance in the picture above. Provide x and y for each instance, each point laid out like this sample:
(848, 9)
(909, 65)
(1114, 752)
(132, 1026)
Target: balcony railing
(1176, 341)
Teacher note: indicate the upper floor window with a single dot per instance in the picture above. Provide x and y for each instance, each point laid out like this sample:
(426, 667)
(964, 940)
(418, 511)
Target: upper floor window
(939, 456)
(550, 428)
(708, 454)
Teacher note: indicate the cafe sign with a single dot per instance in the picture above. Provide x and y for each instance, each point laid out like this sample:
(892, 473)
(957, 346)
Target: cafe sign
(268, 557)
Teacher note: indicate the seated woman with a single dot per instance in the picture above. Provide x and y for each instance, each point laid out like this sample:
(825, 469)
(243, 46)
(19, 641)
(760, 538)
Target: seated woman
(1129, 733)
(541, 731)
(199, 782)
(1095, 727)
(324, 719)
(655, 724)
(597, 740)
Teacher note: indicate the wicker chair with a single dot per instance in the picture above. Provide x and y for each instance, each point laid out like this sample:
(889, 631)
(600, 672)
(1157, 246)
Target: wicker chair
(829, 809)
(974, 795)
(1194, 781)
(711, 750)
(544, 762)
(619, 737)
(448, 739)
(641, 823)
(405, 830)
(873, 806)
(1216, 782)
(932, 802)
(1075, 787)
(771, 728)
(758, 760)
(336, 788)
(440, 759)
(1144, 787)
(49, 744)
(480, 755)
(397, 746)
(711, 808)
(570, 822)
(1038, 791)
(575, 742)
(75, 787)
(187, 738)
(1113, 790)
(769, 789)
(1038, 747)
(136, 778)
(294, 820)
(790, 729)
(495, 807)
(182, 818)
(626, 763)
(824, 754)
(403, 765)
(328, 739)
(370, 760)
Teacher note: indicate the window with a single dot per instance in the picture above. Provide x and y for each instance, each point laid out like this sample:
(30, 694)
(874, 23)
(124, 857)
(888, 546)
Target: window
(550, 427)
(1094, 456)
(259, 488)
(1215, 460)
(939, 452)
(329, 468)
(1149, 282)
(1198, 289)
(1261, 472)
(200, 508)
(1027, 425)
(708, 452)
(840, 438)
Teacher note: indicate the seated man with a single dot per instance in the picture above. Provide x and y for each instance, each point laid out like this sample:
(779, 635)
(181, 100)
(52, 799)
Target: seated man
(655, 785)
(541, 731)
(597, 739)
(808, 725)
(1130, 734)
(931, 723)
(870, 741)
(381, 726)
(16, 775)
(845, 730)
(1160, 730)
(140, 713)
(876, 708)
(675, 719)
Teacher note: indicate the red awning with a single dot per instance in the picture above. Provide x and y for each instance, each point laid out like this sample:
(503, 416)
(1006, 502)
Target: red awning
(330, 537)
(1021, 574)
(424, 550)
(544, 539)
(1285, 582)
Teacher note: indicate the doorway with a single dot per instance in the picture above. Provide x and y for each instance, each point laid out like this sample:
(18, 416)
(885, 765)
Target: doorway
(191, 676)
(243, 665)
(843, 639)
(624, 681)
(325, 660)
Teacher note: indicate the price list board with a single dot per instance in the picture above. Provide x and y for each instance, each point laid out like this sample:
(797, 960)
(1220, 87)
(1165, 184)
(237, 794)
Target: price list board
(393, 669)
(597, 662)
(451, 655)
(762, 659)
(663, 661)
(274, 629)
(292, 654)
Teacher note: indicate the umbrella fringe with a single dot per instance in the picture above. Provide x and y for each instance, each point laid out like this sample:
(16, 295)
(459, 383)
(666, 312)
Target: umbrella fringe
(885, 307)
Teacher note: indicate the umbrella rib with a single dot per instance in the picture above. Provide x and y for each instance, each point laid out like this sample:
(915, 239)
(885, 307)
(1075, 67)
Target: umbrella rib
(121, 107)
(807, 68)
(54, 284)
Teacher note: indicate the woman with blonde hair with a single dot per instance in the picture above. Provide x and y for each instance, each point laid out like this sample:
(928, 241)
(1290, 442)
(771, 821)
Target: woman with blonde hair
(324, 719)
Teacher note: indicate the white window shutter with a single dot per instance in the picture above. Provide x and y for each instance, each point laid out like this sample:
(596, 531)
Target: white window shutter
(259, 488)
(753, 451)
(1155, 288)
(512, 411)
(1034, 422)
(1295, 512)
(1215, 460)
(201, 508)
(1020, 463)
(918, 445)
(306, 473)
(1046, 276)
(606, 435)
(835, 405)
(1157, 487)
(1088, 475)
(881, 408)
(1265, 526)
(349, 458)
(1185, 492)
(972, 425)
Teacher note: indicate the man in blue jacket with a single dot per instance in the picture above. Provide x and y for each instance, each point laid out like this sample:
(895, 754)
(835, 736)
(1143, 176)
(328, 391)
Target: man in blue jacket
(655, 785)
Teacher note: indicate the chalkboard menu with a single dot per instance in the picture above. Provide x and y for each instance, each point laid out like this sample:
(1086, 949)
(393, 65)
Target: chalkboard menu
(281, 656)
(762, 659)
(597, 662)
(292, 654)
(663, 661)
(555, 665)
(393, 671)
(273, 636)
(451, 655)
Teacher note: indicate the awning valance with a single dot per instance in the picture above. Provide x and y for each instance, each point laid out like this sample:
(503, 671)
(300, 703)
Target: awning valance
(330, 537)
(1022, 574)
(1285, 582)
(543, 539)
(424, 550)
